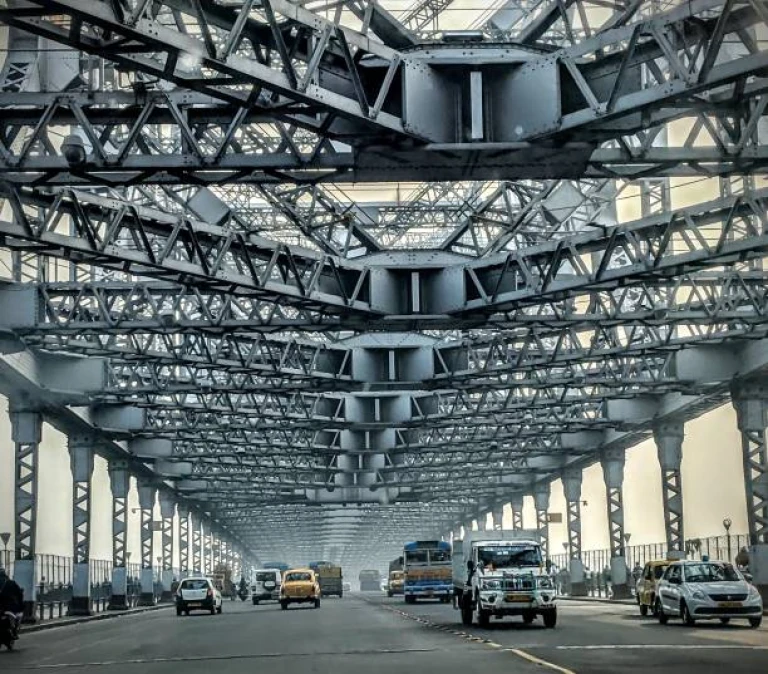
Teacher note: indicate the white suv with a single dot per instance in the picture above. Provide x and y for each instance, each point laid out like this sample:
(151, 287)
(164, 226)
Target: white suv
(266, 585)
(707, 590)
(198, 594)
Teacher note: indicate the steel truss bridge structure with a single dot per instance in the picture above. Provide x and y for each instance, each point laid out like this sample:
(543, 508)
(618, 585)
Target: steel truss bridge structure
(326, 276)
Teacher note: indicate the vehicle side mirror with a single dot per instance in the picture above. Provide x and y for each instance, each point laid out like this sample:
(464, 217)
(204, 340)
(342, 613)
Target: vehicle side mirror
(675, 581)
(748, 577)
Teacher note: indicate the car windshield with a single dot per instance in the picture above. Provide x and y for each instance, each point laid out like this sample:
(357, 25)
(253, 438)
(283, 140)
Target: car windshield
(438, 556)
(710, 573)
(194, 584)
(658, 571)
(501, 557)
(298, 576)
(265, 577)
(416, 557)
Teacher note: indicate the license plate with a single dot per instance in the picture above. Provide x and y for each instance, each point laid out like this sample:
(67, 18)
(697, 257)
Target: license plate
(729, 604)
(194, 604)
(516, 597)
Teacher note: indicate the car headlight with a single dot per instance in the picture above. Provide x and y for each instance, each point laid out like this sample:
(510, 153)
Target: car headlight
(491, 585)
(698, 594)
(544, 583)
(753, 592)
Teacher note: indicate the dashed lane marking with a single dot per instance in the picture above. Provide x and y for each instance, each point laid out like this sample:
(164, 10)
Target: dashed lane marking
(661, 647)
(538, 661)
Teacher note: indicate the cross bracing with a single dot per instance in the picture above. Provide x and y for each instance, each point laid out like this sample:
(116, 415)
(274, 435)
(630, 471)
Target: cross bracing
(342, 365)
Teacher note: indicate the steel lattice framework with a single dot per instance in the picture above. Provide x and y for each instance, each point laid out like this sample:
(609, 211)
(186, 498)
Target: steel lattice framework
(371, 272)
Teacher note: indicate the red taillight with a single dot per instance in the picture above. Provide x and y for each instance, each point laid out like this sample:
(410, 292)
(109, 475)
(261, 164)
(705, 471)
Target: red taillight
(210, 592)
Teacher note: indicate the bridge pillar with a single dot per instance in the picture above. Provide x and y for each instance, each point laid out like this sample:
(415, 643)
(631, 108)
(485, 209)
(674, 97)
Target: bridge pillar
(81, 463)
(167, 511)
(119, 479)
(517, 511)
(751, 403)
(572, 485)
(26, 432)
(613, 475)
(197, 545)
(498, 517)
(481, 519)
(147, 493)
(669, 443)
(541, 493)
(184, 563)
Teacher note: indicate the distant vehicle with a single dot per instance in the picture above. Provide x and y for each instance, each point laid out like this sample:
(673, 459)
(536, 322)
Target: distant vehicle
(707, 590)
(645, 589)
(300, 586)
(370, 580)
(500, 573)
(266, 585)
(330, 578)
(198, 594)
(396, 583)
(427, 571)
(347, 587)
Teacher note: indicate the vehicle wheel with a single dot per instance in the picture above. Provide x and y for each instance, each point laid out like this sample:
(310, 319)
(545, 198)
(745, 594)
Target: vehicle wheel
(483, 618)
(255, 602)
(466, 611)
(528, 618)
(663, 617)
(213, 610)
(178, 611)
(317, 603)
(725, 621)
(550, 618)
(410, 600)
(389, 594)
(220, 609)
(755, 622)
(283, 605)
(652, 604)
(186, 612)
(686, 616)
(643, 610)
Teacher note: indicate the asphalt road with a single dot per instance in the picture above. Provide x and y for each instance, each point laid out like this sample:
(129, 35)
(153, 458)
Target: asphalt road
(372, 635)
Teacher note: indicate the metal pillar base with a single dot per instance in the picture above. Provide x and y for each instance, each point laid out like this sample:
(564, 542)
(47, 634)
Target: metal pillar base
(118, 602)
(621, 592)
(578, 589)
(147, 599)
(29, 613)
(758, 567)
(80, 606)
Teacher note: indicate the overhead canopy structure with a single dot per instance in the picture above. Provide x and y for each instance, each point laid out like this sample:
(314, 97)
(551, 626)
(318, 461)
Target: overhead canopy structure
(375, 272)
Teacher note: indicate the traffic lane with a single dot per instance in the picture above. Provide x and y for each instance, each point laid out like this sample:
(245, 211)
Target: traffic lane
(341, 637)
(595, 638)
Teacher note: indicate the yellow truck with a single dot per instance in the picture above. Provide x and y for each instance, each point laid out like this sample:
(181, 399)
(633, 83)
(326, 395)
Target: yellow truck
(330, 577)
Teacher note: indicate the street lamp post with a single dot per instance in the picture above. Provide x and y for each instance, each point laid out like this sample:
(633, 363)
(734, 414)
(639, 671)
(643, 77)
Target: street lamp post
(727, 524)
(5, 537)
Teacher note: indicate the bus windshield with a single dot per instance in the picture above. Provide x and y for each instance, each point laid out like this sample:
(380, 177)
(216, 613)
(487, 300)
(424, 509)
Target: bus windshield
(508, 556)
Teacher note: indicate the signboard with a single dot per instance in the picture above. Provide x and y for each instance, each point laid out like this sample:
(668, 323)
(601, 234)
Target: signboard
(555, 518)
(5, 537)
(157, 525)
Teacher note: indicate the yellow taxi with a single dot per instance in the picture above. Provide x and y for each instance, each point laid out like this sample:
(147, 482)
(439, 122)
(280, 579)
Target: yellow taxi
(645, 589)
(396, 583)
(300, 586)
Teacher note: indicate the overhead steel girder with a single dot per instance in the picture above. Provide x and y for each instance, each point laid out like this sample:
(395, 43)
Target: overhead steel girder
(134, 140)
(221, 53)
(110, 233)
(113, 308)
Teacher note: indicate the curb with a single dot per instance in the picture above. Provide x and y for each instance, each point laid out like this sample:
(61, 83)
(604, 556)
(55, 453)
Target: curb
(104, 615)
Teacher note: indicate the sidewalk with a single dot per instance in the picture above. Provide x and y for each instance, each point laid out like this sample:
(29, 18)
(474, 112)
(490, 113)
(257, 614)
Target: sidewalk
(77, 620)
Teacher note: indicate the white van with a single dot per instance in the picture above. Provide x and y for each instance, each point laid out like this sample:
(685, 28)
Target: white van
(266, 585)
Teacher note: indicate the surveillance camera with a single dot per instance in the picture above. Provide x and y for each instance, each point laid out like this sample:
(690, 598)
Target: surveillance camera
(73, 149)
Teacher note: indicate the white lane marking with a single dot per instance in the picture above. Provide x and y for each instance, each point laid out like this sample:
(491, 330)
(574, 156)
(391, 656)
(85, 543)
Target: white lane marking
(538, 661)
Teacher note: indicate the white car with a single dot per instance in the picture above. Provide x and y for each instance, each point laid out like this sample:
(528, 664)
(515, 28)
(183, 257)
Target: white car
(266, 585)
(707, 590)
(198, 594)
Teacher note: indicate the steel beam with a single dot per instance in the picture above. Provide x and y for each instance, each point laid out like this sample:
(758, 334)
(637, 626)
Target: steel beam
(81, 457)
(147, 497)
(669, 443)
(120, 480)
(613, 475)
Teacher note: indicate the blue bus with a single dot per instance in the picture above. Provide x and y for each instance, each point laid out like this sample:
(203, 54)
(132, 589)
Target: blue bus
(428, 571)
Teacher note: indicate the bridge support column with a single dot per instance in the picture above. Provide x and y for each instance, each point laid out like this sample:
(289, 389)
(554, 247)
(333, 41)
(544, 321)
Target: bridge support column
(498, 517)
(26, 431)
(517, 512)
(572, 484)
(613, 474)
(147, 493)
(119, 479)
(185, 567)
(81, 463)
(669, 443)
(751, 403)
(167, 511)
(541, 493)
(197, 545)
(481, 520)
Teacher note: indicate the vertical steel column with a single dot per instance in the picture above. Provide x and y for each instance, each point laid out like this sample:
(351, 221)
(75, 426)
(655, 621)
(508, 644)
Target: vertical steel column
(26, 431)
(81, 463)
(541, 491)
(167, 511)
(572, 486)
(481, 519)
(613, 474)
(197, 544)
(498, 517)
(517, 511)
(749, 399)
(147, 494)
(184, 566)
(119, 479)
(669, 443)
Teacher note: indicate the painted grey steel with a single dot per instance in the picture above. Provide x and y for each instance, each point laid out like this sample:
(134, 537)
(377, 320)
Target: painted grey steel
(81, 457)
(119, 479)
(669, 443)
